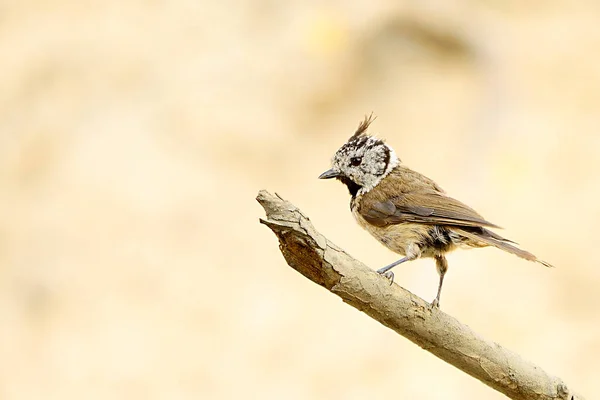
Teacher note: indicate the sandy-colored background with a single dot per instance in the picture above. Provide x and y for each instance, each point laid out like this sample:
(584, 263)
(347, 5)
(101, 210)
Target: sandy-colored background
(135, 135)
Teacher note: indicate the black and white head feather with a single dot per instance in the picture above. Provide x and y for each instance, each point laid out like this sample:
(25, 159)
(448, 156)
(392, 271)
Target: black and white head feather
(364, 160)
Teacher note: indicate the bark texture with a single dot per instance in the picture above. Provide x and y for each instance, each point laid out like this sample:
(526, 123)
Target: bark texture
(321, 261)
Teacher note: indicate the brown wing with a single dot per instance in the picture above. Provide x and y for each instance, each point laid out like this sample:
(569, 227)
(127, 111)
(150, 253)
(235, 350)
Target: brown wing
(421, 207)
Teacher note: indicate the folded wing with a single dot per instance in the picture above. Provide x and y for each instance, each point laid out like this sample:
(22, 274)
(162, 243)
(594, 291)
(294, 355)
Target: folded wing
(426, 207)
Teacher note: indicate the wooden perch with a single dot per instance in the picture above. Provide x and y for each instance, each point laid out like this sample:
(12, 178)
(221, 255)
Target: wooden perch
(315, 257)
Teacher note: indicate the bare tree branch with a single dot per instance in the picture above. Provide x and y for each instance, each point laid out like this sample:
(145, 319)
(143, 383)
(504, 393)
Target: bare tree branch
(315, 257)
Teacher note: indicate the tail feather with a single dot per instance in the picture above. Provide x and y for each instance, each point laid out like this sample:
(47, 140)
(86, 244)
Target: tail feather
(493, 239)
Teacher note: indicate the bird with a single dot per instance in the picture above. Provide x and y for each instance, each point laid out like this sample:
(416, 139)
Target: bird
(406, 211)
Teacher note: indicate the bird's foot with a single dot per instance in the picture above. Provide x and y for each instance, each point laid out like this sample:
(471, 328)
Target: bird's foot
(388, 274)
(435, 303)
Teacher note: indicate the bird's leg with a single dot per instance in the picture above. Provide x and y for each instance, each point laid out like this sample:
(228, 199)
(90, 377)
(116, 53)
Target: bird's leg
(442, 266)
(385, 271)
(412, 252)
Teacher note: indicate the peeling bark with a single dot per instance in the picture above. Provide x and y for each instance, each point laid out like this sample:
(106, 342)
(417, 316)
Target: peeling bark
(318, 259)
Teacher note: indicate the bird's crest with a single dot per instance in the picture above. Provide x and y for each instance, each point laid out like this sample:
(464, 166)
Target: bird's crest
(363, 126)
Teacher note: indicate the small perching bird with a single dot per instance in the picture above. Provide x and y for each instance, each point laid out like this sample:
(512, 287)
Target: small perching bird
(406, 211)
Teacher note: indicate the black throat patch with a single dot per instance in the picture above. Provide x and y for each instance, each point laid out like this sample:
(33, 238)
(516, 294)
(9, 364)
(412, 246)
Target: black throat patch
(353, 187)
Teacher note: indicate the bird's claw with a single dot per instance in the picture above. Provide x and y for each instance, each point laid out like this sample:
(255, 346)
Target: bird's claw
(435, 303)
(389, 275)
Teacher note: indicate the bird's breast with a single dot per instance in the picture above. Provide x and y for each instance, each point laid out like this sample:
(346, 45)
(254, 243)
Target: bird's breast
(395, 237)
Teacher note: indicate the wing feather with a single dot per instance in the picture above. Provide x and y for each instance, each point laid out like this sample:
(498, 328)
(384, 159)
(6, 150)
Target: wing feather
(430, 210)
(402, 200)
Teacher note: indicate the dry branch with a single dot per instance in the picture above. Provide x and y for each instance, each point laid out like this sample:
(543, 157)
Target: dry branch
(315, 257)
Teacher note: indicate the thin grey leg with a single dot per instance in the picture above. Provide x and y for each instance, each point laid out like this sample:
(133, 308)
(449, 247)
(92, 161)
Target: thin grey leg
(442, 266)
(392, 265)
(412, 252)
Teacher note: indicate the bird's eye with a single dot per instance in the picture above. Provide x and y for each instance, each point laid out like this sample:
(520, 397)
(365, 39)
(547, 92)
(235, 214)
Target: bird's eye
(355, 161)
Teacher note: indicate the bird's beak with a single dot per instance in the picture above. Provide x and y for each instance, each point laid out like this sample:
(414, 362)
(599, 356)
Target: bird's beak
(330, 173)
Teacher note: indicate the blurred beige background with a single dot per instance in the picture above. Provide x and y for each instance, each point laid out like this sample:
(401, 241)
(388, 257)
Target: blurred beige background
(135, 135)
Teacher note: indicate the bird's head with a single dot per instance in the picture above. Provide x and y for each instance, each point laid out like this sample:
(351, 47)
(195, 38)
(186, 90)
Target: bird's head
(363, 161)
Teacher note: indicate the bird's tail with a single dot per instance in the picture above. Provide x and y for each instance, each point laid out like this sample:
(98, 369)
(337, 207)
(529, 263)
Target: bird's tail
(493, 239)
